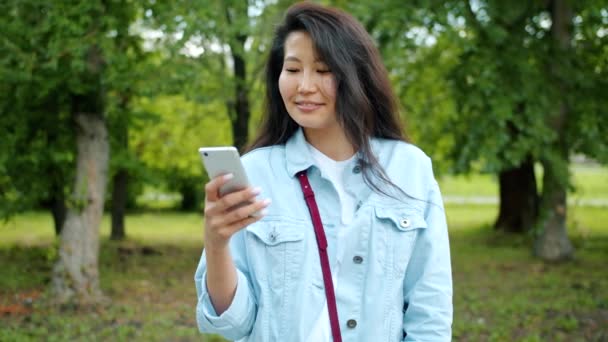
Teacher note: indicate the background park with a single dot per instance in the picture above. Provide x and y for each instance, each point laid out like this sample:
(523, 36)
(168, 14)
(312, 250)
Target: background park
(103, 105)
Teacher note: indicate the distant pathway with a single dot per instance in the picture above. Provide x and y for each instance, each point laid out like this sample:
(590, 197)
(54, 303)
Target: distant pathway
(586, 202)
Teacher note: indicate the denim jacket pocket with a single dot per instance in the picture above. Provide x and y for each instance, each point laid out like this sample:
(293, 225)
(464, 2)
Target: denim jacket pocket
(275, 249)
(275, 232)
(400, 227)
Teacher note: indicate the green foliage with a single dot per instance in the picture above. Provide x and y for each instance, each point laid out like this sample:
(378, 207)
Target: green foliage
(168, 142)
(475, 78)
(201, 40)
(472, 83)
(49, 61)
(194, 93)
(126, 80)
(58, 53)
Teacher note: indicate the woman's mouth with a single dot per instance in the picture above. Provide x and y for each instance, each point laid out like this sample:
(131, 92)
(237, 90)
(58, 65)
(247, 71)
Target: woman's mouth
(308, 106)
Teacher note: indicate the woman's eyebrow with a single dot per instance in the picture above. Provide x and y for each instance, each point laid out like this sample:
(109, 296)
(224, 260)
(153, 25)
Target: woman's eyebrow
(296, 59)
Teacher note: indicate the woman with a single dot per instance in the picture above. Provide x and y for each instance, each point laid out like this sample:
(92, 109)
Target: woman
(331, 115)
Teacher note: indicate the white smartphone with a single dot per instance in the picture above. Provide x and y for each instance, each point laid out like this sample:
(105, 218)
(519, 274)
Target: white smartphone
(222, 160)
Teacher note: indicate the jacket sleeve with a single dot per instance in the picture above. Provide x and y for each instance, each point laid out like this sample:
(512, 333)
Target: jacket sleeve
(237, 321)
(428, 280)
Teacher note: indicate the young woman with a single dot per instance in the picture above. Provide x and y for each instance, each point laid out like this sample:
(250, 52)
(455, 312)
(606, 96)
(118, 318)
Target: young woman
(331, 115)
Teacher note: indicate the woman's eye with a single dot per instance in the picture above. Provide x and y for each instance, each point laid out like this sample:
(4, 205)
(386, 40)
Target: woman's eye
(291, 69)
(324, 71)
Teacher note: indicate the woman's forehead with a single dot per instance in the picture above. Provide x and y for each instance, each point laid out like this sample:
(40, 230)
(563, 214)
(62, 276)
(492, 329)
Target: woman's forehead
(299, 45)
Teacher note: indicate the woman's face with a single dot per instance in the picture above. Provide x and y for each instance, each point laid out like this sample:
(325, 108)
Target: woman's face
(307, 86)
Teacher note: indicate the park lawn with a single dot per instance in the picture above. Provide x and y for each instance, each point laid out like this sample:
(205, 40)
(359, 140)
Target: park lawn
(500, 291)
(588, 181)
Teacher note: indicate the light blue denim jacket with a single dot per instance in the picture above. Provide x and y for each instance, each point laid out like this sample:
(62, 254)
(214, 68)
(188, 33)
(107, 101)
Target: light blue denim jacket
(394, 281)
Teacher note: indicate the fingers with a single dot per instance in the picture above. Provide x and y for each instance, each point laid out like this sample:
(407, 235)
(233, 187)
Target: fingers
(212, 189)
(253, 209)
(231, 200)
(226, 232)
(227, 214)
(224, 225)
(238, 225)
(240, 212)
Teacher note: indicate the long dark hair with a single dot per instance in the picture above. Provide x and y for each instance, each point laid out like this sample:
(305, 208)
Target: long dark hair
(365, 103)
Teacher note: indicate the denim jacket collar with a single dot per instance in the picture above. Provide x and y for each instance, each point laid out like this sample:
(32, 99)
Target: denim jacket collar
(298, 156)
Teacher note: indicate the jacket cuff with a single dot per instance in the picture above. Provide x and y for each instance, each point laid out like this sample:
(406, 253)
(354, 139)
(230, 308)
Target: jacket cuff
(237, 313)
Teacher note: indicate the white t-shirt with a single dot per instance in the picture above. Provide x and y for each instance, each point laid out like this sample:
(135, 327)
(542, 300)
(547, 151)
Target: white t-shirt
(334, 171)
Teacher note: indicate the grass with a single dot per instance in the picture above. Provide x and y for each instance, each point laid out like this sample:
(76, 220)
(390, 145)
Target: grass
(501, 292)
(149, 279)
(173, 228)
(589, 181)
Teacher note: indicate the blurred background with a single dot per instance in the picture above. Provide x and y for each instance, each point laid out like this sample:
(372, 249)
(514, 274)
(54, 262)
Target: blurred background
(103, 105)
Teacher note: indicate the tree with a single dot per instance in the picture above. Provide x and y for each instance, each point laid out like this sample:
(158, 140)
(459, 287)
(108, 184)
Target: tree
(120, 179)
(212, 52)
(534, 95)
(168, 140)
(508, 88)
(35, 155)
(56, 106)
(553, 242)
(510, 85)
(75, 275)
(126, 81)
(233, 37)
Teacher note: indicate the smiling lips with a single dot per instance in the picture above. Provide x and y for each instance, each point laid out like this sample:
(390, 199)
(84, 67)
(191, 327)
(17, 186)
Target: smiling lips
(307, 106)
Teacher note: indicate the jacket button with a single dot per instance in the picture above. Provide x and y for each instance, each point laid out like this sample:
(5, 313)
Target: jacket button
(405, 223)
(351, 323)
(357, 259)
(357, 169)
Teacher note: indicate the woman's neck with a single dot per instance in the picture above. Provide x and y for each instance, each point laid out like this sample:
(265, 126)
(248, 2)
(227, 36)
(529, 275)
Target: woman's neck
(332, 143)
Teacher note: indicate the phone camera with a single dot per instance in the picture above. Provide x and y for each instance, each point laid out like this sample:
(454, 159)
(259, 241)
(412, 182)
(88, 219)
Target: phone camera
(205, 154)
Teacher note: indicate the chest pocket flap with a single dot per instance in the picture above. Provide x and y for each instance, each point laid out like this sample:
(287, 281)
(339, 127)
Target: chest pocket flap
(274, 232)
(403, 219)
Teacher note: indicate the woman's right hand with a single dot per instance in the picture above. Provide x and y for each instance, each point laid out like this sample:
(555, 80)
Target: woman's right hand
(223, 214)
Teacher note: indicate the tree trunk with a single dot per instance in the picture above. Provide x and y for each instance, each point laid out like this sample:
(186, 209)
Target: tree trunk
(119, 204)
(553, 243)
(55, 202)
(190, 197)
(75, 274)
(518, 199)
(59, 210)
(120, 190)
(240, 123)
(241, 113)
(120, 131)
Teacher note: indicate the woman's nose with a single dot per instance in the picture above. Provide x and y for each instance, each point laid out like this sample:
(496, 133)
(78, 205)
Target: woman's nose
(307, 83)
